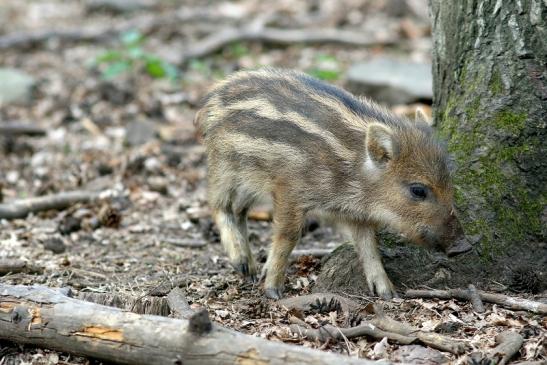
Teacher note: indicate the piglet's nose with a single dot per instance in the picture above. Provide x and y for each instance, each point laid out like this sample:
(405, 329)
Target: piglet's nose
(459, 246)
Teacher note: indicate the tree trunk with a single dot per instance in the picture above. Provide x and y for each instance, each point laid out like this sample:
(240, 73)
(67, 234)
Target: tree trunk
(490, 104)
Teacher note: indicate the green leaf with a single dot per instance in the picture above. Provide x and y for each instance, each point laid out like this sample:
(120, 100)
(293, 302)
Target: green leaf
(327, 75)
(326, 58)
(238, 50)
(135, 52)
(131, 37)
(154, 67)
(116, 68)
(109, 56)
(159, 68)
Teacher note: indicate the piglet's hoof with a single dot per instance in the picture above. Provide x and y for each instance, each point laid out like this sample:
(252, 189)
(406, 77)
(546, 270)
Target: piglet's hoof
(382, 286)
(248, 271)
(273, 293)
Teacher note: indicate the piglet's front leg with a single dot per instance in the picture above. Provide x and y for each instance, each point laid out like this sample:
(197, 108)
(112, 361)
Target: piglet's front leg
(364, 238)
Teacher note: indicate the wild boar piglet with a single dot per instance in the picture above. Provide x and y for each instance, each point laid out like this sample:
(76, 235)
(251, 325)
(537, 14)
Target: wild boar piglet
(315, 148)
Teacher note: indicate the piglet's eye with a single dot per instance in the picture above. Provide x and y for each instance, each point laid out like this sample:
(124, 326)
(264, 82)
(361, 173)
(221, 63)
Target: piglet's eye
(418, 191)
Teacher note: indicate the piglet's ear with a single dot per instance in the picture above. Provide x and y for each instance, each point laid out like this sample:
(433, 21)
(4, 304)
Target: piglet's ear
(381, 145)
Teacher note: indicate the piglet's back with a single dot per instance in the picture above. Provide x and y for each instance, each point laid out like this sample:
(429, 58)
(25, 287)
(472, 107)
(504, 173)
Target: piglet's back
(290, 108)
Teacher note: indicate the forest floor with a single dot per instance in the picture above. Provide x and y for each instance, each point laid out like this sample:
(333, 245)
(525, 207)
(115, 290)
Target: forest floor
(133, 134)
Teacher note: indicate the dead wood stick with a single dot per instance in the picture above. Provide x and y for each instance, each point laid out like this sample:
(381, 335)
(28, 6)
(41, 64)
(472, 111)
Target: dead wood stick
(500, 299)
(178, 304)
(509, 344)
(315, 252)
(218, 40)
(144, 25)
(18, 129)
(185, 242)
(328, 331)
(22, 208)
(14, 266)
(475, 299)
(45, 317)
(430, 339)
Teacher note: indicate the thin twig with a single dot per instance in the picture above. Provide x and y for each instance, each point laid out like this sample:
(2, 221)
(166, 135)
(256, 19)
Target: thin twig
(315, 252)
(18, 129)
(328, 331)
(145, 25)
(22, 208)
(185, 242)
(431, 339)
(218, 40)
(500, 299)
(13, 266)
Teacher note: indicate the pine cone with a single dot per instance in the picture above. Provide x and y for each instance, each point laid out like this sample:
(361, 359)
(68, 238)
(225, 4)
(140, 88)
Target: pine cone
(322, 306)
(525, 279)
(110, 216)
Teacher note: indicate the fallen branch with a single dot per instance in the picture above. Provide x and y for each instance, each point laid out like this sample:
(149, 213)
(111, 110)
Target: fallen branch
(145, 25)
(379, 326)
(222, 38)
(22, 208)
(430, 339)
(45, 317)
(329, 331)
(509, 344)
(14, 266)
(500, 299)
(18, 129)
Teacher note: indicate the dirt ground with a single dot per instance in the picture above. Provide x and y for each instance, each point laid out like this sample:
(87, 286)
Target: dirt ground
(98, 138)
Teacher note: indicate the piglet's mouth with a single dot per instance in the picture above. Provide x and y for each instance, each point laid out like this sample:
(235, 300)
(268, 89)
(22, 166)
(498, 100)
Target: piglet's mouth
(461, 245)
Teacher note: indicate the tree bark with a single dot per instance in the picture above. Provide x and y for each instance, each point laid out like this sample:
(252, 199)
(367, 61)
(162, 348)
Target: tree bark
(490, 103)
(46, 317)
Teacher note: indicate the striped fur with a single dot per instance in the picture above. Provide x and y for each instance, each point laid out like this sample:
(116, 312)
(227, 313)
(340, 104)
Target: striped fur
(316, 148)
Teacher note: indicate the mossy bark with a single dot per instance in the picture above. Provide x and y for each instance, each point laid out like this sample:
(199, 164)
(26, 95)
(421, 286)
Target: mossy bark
(490, 104)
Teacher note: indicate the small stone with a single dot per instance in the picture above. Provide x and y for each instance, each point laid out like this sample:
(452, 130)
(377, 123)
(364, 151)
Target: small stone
(54, 244)
(152, 164)
(139, 132)
(158, 184)
(391, 81)
(12, 176)
(69, 224)
(15, 86)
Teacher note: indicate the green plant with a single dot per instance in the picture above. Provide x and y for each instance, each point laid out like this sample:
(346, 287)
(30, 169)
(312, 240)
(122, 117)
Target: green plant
(325, 67)
(131, 56)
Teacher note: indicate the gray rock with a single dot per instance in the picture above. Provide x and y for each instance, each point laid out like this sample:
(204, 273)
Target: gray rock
(139, 132)
(15, 86)
(415, 354)
(391, 81)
